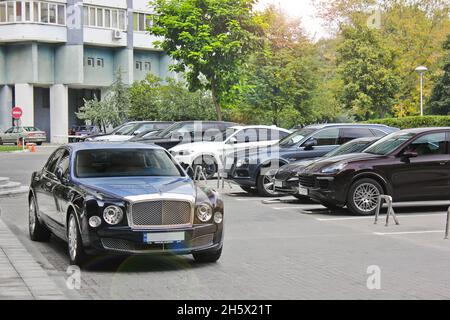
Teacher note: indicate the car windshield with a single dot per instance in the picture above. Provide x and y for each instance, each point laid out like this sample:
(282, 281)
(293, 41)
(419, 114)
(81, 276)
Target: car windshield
(126, 130)
(350, 147)
(125, 163)
(389, 143)
(296, 137)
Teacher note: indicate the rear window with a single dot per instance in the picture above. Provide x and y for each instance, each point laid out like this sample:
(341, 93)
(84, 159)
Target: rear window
(125, 163)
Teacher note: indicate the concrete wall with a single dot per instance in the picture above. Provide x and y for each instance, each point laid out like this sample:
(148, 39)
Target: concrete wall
(99, 76)
(123, 60)
(69, 64)
(19, 64)
(59, 113)
(24, 98)
(5, 107)
(46, 62)
(2, 65)
(143, 57)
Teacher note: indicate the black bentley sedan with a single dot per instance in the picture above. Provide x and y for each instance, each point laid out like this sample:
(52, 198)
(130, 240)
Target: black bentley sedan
(123, 198)
(409, 165)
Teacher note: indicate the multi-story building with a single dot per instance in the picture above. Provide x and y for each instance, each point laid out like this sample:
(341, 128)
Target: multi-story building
(54, 54)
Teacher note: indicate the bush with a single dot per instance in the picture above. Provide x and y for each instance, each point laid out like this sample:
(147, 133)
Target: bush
(414, 122)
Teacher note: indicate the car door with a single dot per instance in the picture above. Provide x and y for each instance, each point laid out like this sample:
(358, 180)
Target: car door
(47, 185)
(62, 192)
(427, 176)
(6, 137)
(326, 141)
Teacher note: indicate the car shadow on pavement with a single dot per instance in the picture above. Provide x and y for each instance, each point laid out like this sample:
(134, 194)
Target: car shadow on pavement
(119, 263)
(344, 212)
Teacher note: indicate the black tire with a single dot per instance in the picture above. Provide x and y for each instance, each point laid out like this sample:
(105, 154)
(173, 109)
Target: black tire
(208, 256)
(263, 190)
(249, 190)
(39, 143)
(208, 164)
(77, 255)
(1, 142)
(38, 232)
(369, 199)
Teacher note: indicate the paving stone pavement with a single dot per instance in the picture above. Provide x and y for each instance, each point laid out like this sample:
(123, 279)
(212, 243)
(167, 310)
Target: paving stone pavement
(21, 277)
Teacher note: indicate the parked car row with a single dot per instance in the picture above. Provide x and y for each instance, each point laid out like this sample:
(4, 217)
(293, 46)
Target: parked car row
(15, 135)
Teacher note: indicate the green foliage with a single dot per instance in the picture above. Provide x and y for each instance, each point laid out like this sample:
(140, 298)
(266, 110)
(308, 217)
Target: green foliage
(172, 101)
(440, 99)
(208, 39)
(112, 110)
(415, 122)
(369, 73)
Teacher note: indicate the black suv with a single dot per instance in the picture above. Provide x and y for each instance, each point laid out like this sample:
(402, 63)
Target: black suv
(251, 170)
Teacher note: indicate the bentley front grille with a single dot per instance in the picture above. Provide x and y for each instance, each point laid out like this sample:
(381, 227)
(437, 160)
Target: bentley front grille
(161, 213)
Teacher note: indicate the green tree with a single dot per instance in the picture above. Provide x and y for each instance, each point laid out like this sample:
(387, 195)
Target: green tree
(152, 99)
(208, 39)
(440, 98)
(368, 72)
(112, 110)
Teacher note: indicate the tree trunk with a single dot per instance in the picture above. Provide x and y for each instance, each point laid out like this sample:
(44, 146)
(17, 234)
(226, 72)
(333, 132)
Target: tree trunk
(214, 98)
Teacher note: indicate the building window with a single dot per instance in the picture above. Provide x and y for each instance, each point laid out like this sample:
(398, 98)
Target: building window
(100, 62)
(91, 62)
(105, 18)
(148, 66)
(141, 21)
(32, 11)
(138, 65)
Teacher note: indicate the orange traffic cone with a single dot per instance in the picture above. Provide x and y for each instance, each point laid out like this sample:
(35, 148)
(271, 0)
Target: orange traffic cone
(33, 147)
(19, 144)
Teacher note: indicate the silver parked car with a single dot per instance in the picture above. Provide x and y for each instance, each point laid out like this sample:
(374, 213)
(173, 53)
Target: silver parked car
(27, 134)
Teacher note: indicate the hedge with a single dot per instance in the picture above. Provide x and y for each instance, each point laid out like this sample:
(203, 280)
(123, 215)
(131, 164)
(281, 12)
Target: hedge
(414, 122)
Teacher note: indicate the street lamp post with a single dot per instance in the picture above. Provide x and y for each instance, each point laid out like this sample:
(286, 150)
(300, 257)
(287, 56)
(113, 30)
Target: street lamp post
(421, 70)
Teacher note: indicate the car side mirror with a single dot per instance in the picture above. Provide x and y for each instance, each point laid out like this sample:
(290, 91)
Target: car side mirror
(233, 140)
(408, 155)
(310, 144)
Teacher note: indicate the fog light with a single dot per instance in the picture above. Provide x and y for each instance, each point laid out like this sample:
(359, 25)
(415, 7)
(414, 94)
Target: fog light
(95, 222)
(218, 217)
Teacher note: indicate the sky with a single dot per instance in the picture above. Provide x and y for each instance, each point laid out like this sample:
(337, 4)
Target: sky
(303, 9)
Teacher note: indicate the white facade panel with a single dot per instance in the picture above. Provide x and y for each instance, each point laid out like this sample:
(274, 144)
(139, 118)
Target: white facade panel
(33, 32)
(59, 113)
(24, 94)
(107, 3)
(144, 41)
(103, 37)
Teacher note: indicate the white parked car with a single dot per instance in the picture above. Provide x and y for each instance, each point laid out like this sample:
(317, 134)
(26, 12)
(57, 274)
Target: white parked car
(212, 155)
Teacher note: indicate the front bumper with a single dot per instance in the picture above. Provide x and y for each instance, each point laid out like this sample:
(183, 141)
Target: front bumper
(124, 240)
(326, 189)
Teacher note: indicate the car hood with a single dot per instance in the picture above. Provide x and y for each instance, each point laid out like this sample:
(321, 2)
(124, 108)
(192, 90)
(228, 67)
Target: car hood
(121, 187)
(295, 166)
(349, 158)
(113, 138)
(198, 146)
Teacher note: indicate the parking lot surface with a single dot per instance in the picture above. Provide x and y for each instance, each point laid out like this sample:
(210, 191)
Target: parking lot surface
(281, 249)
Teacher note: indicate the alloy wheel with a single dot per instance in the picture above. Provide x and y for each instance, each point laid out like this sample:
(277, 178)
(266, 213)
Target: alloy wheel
(269, 184)
(366, 197)
(32, 216)
(73, 238)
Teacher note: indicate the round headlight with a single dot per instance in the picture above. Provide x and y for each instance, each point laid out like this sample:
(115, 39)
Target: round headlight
(95, 221)
(218, 217)
(204, 212)
(113, 215)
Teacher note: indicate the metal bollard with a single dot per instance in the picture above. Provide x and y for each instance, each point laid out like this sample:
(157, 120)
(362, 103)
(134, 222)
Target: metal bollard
(388, 200)
(447, 227)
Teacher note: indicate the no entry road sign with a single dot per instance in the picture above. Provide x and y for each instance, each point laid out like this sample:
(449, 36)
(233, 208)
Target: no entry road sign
(17, 113)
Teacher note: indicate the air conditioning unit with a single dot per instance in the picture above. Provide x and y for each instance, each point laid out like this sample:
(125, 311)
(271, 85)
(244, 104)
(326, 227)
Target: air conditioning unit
(117, 34)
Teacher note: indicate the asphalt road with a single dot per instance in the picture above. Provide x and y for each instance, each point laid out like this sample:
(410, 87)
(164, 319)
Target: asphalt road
(281, 250)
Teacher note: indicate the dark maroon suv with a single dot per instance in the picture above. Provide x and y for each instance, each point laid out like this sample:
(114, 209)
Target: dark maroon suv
(409, 165)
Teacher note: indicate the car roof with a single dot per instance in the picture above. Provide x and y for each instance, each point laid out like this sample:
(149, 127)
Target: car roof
(258, 127)
(330, 125)
(424, 130)
(92, 145)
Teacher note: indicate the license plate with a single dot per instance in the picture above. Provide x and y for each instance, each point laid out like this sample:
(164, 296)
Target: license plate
(166, 237)
(303, 191)
(278, 184)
